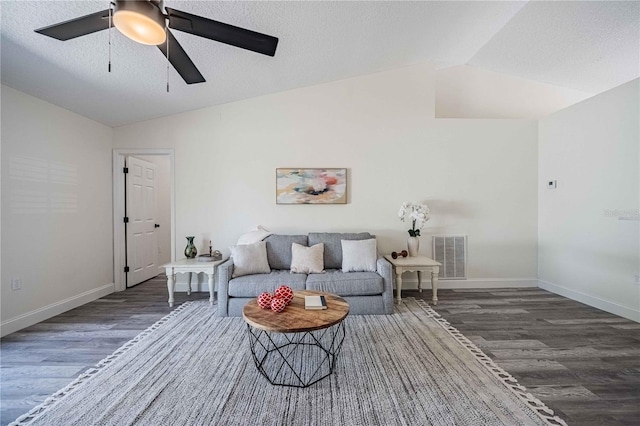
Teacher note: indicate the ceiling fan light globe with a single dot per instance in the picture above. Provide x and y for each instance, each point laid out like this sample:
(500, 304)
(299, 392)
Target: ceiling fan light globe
(140, 21)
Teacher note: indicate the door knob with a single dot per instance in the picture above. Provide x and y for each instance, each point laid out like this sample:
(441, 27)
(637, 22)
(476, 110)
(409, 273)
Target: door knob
(156, 226)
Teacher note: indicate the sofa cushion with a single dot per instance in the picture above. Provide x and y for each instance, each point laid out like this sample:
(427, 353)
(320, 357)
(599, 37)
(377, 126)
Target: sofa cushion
(359, 256)
(307, 260)
(279, 249)
(333, 245)
(253, 285)
(346, 284)
(250, 259)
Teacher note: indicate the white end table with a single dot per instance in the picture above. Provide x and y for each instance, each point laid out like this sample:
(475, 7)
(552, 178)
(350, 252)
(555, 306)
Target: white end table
(190, 266)
(417, 264)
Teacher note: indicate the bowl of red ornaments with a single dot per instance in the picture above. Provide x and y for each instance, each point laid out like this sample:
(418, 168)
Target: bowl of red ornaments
(277, 301)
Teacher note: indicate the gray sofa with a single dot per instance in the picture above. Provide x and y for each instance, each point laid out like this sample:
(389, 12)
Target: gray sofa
(366, 292)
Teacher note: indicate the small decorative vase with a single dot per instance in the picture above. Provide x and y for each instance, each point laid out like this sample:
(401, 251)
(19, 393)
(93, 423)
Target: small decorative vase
(413, 244)
(190, 250)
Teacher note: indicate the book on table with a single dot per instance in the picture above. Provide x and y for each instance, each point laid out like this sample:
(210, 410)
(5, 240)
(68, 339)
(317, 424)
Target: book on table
(315, 302)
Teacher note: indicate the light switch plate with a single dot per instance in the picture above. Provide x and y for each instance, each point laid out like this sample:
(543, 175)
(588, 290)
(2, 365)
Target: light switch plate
(16, 283)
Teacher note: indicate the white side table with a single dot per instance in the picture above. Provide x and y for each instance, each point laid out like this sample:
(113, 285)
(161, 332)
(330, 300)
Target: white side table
(190, 266)
(417, 264)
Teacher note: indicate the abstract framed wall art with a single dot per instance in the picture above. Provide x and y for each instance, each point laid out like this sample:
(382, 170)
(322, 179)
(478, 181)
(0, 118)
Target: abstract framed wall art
(311, 186)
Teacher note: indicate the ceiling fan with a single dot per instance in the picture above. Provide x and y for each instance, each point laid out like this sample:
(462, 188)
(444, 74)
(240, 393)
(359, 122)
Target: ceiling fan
(145, 22)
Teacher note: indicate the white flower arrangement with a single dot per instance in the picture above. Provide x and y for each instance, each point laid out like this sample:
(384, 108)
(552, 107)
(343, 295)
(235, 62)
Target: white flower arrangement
(417, 213)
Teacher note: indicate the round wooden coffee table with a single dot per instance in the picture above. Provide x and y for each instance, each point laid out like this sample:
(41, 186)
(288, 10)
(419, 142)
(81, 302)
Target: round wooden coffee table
(296, 347)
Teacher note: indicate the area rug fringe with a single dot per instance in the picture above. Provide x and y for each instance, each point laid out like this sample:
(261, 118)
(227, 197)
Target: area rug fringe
(27, 418)
(539, 407)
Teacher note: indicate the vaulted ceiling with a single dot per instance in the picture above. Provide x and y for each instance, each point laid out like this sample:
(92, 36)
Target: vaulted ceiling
(589, 46)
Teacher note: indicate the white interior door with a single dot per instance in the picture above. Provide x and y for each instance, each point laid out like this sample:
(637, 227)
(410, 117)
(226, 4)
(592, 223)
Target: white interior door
(142, 239)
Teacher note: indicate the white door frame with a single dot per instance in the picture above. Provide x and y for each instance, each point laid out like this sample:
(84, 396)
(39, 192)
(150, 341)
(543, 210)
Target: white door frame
(119, 260)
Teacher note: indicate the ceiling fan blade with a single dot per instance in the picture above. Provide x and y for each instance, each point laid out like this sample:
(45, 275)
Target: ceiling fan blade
(77, 27)
(224, 33)
(181, 61)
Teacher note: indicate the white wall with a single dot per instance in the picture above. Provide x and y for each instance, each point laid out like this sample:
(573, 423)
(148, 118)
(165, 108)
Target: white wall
(589, 231)
(56, 210)
(478, 176)
(163, 203)
(468, 92)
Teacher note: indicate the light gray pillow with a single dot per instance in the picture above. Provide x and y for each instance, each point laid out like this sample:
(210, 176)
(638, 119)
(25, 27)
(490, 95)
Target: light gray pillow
(250, 259)
(253, 236)
(307, 260)
(359, 255)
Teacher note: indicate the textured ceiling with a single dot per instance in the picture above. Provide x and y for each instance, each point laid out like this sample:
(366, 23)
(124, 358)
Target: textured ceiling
(589, 46)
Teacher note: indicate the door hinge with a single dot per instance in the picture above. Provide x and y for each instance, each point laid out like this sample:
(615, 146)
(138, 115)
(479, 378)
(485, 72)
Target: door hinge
(126, 269)
(125, 170)
(126, 219)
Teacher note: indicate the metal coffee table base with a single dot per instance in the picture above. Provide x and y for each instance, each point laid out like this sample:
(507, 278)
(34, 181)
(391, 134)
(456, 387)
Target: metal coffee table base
(296, 359)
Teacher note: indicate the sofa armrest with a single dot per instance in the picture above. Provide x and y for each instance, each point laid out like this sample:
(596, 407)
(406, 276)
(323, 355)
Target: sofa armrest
(225, 272)
(385, 270)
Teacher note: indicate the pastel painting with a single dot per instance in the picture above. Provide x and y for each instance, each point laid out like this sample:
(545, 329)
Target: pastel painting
(311, 186)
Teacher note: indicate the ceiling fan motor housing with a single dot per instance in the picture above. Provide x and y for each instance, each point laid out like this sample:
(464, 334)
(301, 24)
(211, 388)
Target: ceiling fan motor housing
(141, 21)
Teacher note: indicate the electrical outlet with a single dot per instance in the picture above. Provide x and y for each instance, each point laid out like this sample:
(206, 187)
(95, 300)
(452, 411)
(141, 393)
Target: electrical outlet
(16, 283)
(552, 184)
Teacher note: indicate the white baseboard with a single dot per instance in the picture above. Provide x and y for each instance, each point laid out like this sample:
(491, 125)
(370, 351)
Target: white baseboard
(25, 320)
(596, 302)
(409, 284)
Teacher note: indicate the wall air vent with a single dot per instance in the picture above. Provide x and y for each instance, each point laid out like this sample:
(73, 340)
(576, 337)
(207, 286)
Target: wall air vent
(451, 251)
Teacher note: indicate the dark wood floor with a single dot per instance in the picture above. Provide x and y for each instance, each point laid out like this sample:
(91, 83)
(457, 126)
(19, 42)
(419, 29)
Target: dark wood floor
(39, 360)
(582, 362)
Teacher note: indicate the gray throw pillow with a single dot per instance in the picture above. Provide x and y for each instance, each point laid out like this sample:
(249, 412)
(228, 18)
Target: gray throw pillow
(307, 260)
(250, 259)
(359, 256)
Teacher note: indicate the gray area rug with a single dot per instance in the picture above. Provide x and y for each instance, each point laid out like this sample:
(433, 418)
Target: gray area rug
(191, 368)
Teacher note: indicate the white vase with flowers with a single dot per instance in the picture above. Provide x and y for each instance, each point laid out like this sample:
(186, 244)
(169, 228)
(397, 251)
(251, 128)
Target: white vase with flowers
(418, 214)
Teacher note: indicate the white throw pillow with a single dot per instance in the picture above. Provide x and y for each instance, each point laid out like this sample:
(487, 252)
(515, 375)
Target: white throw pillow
(359, 255)
(250, 259)
(253, 236)
(307, 260)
